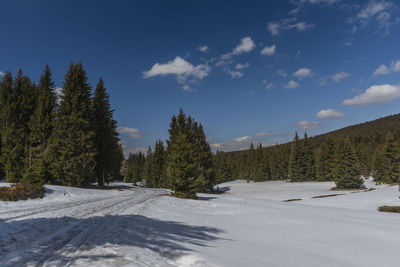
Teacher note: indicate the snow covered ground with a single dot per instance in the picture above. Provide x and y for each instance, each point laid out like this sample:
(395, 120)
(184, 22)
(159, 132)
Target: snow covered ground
(250, 225)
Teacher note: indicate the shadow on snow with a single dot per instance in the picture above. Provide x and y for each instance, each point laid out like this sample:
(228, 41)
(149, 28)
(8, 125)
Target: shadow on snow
(47, 239)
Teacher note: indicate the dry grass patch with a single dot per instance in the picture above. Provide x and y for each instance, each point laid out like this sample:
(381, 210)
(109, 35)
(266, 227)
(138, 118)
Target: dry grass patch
(330, 195)
(21, 191)
(293, 199)
(394, 209)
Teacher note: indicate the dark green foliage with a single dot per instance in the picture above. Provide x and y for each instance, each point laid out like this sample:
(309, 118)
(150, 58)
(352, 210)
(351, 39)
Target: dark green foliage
(262, 166)
(387, 162)
(251, 164)
(21, 191)
(327, 161)
(348, 173)
(307, 160)
(294, 158)
(295, 164)
(222, 171)
(42, 143)
(136, 168)
(18, 101)
(72, 147)
(108, 157)
(188, 157)
(41, 127)
(157, 172)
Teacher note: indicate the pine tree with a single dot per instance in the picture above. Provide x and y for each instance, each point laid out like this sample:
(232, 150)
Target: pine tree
(222, 170)
(251, 163)
(295, 172)
(307, 160)
(18, 98)
(387, 162)
(327, 161)
(41, 126)
(183, 167)
(262, 172)
(148, 168)
(348, 174)
(205, 155)
(158, 166)
(108, 158)
(72, 147)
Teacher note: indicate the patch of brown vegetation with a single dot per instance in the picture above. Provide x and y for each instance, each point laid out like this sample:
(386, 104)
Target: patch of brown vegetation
(21, 191)
(394, 209)
(330, 195)
(293, 199)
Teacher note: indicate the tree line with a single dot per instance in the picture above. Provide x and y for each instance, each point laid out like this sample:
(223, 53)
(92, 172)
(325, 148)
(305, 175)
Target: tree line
(342, 158)
(70, 138)
(185, 163)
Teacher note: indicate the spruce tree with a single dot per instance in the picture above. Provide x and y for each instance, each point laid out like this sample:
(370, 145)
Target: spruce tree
(183, 167)
(251, 163)
(158, 166)
(295, 160)
(108, 158)
(41, 126)
(262, 171)
(148, 168)
(307, 160)
(7, 123)
(327, 161)
(222, 170)
(348, 174)
(72, 147)
(387, 162)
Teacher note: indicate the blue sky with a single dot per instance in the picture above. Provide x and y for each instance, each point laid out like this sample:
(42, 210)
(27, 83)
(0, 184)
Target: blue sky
(247, 70)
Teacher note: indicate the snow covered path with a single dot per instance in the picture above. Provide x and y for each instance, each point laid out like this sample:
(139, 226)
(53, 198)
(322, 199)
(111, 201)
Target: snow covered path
(84, 227)
(250, 225)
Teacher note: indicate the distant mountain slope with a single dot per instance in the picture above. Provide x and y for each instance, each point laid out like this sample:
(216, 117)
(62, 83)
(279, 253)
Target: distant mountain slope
(366, 138)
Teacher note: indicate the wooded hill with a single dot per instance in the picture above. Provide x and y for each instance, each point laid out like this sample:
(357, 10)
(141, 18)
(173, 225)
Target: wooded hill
(369, 140)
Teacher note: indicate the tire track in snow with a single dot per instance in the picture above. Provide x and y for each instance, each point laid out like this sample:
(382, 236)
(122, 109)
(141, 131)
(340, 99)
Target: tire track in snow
(69, 236)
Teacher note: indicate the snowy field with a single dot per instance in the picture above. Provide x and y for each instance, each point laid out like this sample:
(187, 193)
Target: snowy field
(250, 225)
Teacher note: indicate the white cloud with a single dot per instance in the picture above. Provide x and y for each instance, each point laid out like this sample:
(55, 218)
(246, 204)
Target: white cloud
(179, 67)
(373, 11)
(340, 76)
(268, 50)
(240, 66)
(245, 46)
(303, 73)
(185, 72)
(242, 139)
(275, 28)
(234, 74)
(282, 73)
(329, 113)
(292, 84)
(328, 2)
(307, 125)
(384, 70)
(203, 48)
(262, 134)
(132, 132)
(216, 145)
(1, 73)
(376, 94)
(269, 86)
